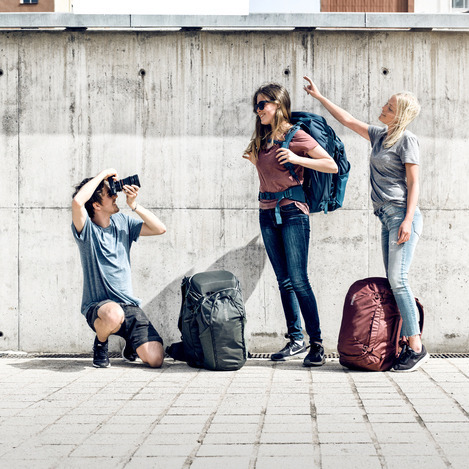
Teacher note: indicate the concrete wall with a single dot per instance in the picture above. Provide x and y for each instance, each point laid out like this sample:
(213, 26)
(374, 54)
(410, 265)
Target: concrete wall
(175, 107)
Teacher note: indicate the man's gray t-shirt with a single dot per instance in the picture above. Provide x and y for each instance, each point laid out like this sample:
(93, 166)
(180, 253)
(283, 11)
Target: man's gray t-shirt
(105, 258)
(388, 175)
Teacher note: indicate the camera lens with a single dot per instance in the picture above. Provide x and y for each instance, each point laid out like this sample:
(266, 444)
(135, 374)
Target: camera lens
(117, 186)
(130, 181)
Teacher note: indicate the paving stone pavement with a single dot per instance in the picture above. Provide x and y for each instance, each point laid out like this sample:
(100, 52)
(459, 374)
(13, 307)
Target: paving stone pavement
(63, 413)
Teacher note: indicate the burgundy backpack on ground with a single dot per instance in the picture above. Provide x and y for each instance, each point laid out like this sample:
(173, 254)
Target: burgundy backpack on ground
(371, 325)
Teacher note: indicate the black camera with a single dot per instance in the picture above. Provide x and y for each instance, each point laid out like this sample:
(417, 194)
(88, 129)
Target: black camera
(116, 186)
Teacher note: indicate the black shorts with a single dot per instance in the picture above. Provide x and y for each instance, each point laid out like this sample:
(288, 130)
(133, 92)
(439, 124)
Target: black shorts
(136, 327)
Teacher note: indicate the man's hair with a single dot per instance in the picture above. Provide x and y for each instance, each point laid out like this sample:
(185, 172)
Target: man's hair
(96, 197)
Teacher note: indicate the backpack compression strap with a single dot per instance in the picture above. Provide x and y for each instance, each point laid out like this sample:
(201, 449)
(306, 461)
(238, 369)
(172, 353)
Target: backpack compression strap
(292, 193)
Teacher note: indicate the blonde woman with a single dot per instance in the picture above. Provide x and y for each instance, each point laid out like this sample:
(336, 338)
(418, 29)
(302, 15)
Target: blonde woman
(394, 176)
(284, 218)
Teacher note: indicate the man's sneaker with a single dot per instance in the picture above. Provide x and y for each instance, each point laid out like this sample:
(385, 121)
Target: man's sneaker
(409, 360)
(100, 356)
(315, 356)
(291, 350)
(128, 353)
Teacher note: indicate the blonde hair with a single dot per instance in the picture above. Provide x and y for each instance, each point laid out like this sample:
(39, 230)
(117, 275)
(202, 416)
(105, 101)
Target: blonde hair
(408, 108)
(281, 122)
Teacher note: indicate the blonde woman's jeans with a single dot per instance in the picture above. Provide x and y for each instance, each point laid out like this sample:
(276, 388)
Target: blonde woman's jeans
(397, 260)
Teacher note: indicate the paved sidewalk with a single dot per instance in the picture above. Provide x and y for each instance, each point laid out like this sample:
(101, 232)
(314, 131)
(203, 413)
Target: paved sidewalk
(63, 413)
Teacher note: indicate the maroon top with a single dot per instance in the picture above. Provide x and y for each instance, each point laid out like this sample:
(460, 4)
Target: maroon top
(274, 177)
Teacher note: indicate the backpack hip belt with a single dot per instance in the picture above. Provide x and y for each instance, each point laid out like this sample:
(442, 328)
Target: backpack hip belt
(293, 193)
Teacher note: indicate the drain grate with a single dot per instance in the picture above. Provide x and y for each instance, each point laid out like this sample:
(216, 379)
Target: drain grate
(336, 355)
(257, 356)
(254, 356)
(53, 355)
(449, 355)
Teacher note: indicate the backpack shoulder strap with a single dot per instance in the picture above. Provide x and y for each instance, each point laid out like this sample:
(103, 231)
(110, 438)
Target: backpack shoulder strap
(286, 143)
(290, 134)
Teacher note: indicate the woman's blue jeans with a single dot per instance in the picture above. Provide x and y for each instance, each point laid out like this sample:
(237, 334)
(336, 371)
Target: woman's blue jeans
(397, 259)
(287, 248)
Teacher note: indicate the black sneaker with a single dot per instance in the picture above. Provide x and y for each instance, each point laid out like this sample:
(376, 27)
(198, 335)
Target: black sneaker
(289, 351)
(100, 356)
(409, 360)
(128, 353)
(315, 356)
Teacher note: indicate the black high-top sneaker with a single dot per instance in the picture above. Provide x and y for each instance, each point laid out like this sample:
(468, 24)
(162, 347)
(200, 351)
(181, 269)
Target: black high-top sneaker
(315, 356)
(100, 355)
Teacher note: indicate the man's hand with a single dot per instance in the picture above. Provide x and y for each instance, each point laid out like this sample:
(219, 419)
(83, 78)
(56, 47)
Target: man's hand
(110, 172)
(131, 192)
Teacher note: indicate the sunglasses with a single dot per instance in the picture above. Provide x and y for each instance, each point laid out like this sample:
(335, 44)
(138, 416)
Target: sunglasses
(260, 105)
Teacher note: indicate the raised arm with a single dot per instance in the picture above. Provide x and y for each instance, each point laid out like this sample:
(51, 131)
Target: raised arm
(84, 194)
(152, 225)
(344, 117)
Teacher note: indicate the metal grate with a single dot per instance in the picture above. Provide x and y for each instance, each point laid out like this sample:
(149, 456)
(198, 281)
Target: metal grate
(53, 355)
(449, 355)
(336, 355)
(257, 356)
(254, 356)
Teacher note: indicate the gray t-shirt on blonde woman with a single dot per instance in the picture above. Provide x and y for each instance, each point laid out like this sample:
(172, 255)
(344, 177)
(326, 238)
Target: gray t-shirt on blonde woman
(387, 167)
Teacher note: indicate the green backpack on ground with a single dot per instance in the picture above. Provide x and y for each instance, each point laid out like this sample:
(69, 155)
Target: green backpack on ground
(212, 322)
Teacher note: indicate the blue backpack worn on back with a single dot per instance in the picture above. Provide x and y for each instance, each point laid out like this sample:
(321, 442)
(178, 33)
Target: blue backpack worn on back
(323, 192)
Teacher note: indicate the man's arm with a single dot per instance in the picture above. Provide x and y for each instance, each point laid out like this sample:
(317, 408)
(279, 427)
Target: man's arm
(84, 194)
(152, 225)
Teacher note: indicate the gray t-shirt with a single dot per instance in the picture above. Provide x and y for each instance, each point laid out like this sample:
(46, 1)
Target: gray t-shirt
(105, 258)
(388, 175)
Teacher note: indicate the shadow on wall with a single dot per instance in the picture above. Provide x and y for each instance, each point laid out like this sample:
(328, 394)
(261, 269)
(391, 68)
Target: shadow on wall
(247, 263)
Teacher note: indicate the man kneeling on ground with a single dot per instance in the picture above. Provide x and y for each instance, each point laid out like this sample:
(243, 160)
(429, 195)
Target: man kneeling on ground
(104, 237)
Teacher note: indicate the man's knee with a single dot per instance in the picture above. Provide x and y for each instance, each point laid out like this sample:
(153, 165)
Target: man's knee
(151, 353)
(111, 314)
(156, 362)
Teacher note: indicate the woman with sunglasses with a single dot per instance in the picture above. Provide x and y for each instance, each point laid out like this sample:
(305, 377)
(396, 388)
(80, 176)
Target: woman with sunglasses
(286, 236)
(394, 176)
